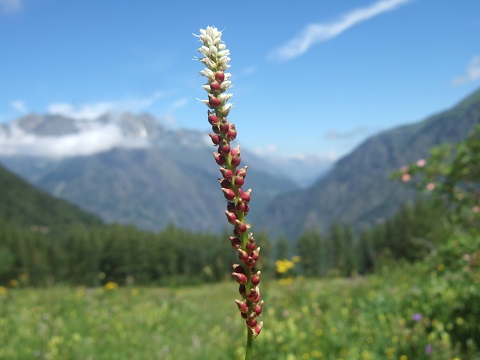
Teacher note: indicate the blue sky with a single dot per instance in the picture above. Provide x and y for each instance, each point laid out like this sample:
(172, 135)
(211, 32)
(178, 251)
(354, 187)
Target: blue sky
(314, 77)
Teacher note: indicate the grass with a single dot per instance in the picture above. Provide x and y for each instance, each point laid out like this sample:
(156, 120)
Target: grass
(429, 310)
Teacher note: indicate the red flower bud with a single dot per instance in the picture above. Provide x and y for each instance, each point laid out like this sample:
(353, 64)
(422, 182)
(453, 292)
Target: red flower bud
(256, 278)
(257, 309)
(232, 132)
(224, 127)
(220, 76)
(229, 195)
(240, 207)
(235, 151)
(242, 172)
(240, 226)
(251, 322)
(255, 254)
(246, 195)
(257, 329)
(239, 181)
(231, 217)
(242, 254)
(242, 290)
(231, 206)
(227, 173)
(215, 139)
(251, 244)
(241, 278)
(219, 158)
(224, 183)
(215, 86)
(236, 160)
(224, 147)
(213, 101)
(212, 118)
(242, 306)
(235, 156)
(236, 242)
(253, 294)
(250, 262)
(238, 268)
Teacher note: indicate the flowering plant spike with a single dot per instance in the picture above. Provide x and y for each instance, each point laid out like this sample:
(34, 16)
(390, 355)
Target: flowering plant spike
(216, 59)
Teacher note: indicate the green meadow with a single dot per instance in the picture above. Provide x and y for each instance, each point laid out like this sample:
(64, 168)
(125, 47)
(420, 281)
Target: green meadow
(428, 310)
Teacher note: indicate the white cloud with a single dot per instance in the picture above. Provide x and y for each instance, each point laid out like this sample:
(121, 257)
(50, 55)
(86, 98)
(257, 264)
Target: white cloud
(94, 137)
(321, 32)
(91, 136)
(472, 72)
(10, 6)
(91, 111)
(19, 106)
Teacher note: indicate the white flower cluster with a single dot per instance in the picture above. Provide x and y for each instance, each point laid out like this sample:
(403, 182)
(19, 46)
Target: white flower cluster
(216, 59)
(214, 50)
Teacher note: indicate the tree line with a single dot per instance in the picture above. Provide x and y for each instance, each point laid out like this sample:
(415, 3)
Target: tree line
(411, 234)
(92, 255)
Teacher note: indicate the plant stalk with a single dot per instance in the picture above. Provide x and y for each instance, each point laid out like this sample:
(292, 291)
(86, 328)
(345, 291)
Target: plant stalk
(249, 350)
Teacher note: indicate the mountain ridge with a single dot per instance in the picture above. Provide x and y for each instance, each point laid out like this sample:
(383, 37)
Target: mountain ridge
(145, 174)
(357, 189)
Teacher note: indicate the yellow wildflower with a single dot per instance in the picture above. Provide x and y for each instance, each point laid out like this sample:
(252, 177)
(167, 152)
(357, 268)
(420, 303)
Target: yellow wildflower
(283, 266)
(110, 285)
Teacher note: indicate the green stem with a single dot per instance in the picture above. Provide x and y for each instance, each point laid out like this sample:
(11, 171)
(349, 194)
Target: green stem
(249, 352)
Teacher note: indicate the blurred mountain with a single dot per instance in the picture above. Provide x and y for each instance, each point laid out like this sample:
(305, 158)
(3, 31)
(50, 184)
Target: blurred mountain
(24, 205)
(131, 169)
(357, 190)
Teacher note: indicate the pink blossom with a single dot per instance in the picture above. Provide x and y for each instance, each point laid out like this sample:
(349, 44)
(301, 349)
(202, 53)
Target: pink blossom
(406, 177)
(431, 186)
(421, 163)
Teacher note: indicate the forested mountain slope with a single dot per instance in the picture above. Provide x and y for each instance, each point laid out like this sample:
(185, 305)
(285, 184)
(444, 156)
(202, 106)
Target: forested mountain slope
(358, 190)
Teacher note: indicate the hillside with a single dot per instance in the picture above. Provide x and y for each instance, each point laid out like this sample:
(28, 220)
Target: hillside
(22, 204)
(357, 190)
(131, 169)
(151, 190)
